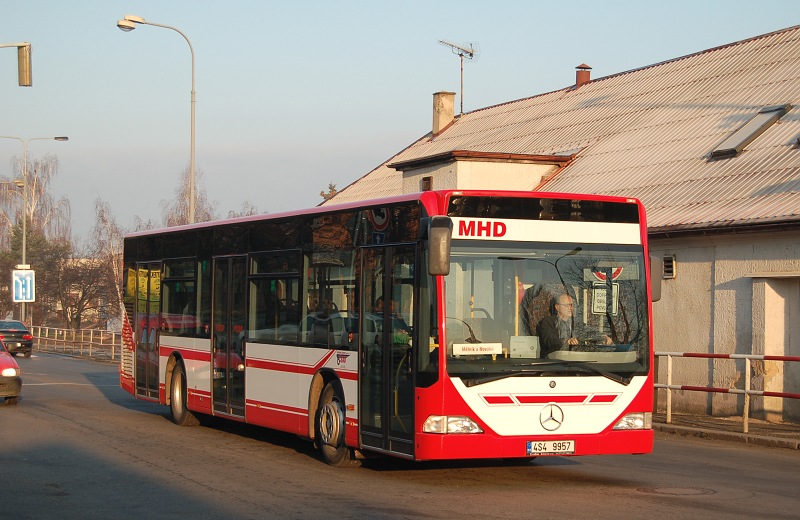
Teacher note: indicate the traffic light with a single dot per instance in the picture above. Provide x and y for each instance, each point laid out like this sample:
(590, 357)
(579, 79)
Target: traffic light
(24, 65)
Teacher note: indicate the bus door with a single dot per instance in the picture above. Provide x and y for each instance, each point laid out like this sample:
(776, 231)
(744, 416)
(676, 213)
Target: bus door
(387, 383)
(148, 300)
(228, 333)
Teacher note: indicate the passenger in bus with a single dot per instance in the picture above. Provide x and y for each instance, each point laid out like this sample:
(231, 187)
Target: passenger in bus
(313, 301)
(560, 331)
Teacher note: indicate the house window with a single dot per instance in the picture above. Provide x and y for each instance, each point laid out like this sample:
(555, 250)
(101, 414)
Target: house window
(756, 126)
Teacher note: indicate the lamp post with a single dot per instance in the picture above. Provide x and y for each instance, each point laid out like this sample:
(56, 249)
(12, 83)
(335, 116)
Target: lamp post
(25, 197)
(127, 24)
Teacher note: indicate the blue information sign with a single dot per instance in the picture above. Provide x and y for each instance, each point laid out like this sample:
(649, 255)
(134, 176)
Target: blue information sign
(24, 283)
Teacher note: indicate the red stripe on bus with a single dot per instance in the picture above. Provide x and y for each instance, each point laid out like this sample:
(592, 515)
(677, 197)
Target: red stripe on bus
(292, 368)
(193, 355)
(275, 407)
(537, 399)
(498, 399)
(603, 398)
(287, 366)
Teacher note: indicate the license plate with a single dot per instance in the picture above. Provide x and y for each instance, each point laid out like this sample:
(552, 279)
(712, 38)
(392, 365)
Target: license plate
(550, 447)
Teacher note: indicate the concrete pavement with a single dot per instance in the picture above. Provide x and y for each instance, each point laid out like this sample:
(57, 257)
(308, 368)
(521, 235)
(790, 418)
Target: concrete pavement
(762, 433)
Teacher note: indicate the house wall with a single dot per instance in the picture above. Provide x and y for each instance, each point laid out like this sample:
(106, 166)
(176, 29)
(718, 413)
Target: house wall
(478, 175)
(732, 294)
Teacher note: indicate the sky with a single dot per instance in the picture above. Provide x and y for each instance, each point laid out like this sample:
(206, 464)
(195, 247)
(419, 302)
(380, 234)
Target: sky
(295, 95)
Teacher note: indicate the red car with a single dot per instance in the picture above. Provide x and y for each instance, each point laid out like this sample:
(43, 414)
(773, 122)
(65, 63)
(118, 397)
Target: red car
(10, 377)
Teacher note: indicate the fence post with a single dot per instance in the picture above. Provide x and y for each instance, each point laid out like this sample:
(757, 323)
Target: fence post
(669, 390)
(746, 413)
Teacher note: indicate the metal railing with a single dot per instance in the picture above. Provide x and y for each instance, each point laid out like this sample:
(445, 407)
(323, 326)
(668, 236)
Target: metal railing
(746, 391)
(101, 344)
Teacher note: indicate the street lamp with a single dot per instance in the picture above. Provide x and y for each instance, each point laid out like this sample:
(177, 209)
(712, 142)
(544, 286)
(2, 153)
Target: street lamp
(128, 24)
(25, 197)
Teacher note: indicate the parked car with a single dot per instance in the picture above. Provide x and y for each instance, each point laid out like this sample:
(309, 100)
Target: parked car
(10, 377)
(17, 337)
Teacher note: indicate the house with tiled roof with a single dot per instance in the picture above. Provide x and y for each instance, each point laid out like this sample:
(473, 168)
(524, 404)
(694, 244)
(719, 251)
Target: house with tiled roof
(709, 143)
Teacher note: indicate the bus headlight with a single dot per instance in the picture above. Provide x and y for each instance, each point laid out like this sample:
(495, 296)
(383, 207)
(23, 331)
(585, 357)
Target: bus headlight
(450, 424)
(635, 421)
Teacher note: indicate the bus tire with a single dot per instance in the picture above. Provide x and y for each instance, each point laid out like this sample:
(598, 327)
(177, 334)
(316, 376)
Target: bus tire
(11, 401)
(330, 429)
(177, 402)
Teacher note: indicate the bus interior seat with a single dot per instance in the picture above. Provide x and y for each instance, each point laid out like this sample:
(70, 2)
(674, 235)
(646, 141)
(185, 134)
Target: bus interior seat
(319, 333)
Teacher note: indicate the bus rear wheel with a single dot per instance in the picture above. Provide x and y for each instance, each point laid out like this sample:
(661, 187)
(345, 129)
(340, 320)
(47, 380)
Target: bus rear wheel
(177, 402)
(330, 427)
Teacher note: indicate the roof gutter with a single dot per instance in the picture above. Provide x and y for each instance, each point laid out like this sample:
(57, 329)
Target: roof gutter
(728, 228)
(470, 155)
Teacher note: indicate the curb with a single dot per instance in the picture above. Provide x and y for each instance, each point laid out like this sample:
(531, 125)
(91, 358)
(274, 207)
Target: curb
(748, 438)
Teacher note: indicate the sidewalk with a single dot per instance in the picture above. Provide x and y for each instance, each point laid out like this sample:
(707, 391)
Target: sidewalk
(762, 433)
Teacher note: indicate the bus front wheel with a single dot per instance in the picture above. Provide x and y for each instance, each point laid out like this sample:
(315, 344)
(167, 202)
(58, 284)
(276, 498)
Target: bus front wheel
(177, 402)
(330, 427)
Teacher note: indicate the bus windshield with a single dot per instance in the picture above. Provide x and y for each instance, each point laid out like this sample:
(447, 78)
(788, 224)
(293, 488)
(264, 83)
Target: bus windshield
(530, 309)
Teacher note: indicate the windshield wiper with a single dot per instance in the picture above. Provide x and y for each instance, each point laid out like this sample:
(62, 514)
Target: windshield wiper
(471, 338)
(568, 363)
(497, 377)
(587, 365)
(510, 373)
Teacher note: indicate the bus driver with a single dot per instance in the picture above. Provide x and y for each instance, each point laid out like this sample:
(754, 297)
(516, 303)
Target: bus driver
(560, 331)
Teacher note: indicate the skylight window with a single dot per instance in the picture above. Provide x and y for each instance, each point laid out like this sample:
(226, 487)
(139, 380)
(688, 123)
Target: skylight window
(745, 135)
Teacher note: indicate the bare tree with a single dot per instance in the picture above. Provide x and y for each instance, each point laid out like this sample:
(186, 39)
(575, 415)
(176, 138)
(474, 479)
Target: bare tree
(248, 209)
(43, 212)
(107, 242)
(11, 204)
(144, 225)
(81, 288)
(175, 212)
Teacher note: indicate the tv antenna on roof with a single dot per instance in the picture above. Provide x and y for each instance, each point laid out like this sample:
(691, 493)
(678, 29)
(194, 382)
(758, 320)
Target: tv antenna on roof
(464, 51)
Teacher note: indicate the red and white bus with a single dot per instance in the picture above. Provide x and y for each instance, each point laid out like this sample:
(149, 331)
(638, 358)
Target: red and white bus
(409, 326)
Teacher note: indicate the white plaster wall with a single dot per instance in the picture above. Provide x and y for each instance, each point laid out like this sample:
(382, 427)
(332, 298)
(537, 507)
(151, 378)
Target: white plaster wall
(775, 307)
(716, 305)
(477, 175)
(779, 312)
(444, 177)
(682, 321)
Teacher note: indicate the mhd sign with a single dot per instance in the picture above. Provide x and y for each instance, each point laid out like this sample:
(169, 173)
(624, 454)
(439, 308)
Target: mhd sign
(24, 283)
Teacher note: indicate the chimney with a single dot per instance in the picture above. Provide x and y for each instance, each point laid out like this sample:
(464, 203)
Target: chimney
(582, 75)
(443, 110)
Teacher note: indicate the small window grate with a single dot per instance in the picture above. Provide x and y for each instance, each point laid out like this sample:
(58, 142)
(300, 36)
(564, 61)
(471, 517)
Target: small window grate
(668, 270)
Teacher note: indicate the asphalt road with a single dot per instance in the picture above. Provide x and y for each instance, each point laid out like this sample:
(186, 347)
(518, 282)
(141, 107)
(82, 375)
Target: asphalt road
(77, 446)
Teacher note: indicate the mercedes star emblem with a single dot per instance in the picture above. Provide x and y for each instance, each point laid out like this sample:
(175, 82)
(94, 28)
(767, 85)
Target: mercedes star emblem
(551, 417)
